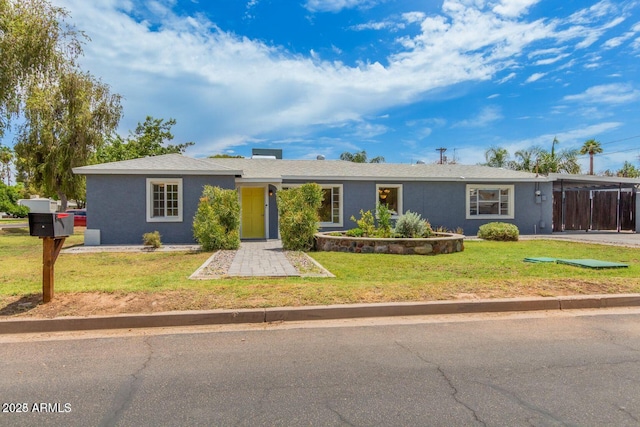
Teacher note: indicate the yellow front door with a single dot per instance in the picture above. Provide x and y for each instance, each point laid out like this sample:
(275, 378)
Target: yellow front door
(252, 212)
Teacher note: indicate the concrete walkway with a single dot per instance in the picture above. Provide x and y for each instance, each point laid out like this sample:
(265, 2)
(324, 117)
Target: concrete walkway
(261, 258)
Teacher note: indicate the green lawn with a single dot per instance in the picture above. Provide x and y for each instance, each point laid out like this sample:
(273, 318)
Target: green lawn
(484, 269)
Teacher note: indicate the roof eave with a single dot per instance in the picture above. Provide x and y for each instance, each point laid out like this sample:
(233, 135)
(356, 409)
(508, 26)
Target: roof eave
(405, 178)
(81, 171)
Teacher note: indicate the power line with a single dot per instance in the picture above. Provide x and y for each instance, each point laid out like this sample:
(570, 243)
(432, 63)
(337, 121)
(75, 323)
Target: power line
(620, 140)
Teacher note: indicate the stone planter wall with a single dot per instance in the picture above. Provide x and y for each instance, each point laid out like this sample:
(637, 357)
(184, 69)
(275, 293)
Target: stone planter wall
(442, 243)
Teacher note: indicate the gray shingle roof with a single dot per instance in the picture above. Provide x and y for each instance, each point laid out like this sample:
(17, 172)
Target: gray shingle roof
(168, 163)
(338, 169)
(322, 170)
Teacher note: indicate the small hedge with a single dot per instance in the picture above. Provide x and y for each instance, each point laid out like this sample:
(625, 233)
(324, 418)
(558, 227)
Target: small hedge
(217, 221)
(500, 231)
(152, 239)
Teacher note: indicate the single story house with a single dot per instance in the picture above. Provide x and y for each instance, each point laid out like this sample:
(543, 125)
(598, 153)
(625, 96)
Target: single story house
(129, 198)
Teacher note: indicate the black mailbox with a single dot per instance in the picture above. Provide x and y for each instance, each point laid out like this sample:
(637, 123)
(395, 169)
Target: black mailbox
(50, 224)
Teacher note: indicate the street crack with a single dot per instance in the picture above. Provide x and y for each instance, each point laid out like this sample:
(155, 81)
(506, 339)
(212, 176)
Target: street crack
(124, 395)
(452, 386)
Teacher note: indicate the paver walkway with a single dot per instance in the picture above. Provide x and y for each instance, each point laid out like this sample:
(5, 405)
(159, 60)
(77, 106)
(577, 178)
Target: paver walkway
(261, 259)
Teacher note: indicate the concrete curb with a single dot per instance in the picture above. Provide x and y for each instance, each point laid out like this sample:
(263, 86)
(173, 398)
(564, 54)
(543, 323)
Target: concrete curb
(330, 312)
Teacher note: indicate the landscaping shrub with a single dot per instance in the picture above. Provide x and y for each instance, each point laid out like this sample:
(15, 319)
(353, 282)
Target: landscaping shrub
(354, 232)
(298, 216)
(499, 231)
(365, 223)
(410, 225)
(384, 221)
(152, 239)
(217, 221)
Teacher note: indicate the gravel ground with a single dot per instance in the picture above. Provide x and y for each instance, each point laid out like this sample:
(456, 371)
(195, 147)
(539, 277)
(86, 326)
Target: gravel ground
(218, 265)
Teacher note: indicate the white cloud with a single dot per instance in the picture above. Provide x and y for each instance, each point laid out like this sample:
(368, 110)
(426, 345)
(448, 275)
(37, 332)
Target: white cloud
(413, 17)
(219, 83)
(381, 25)
(335, 5)
(548, 61)
(485, 117)
(505, 79)
(513, 8)
(535, 77)
(615, 93)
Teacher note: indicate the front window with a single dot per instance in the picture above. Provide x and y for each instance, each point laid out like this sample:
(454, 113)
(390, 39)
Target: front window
(164, 200)
(490, 201)
(390, 195)
(330, 212)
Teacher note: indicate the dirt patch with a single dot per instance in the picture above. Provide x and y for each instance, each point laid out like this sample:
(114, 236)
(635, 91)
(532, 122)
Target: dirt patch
(105, 304)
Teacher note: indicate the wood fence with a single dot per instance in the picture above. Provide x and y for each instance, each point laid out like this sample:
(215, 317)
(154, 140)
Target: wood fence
(594, 210)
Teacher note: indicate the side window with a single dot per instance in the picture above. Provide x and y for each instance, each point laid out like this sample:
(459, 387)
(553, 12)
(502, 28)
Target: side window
(164, 200)
(484, 201)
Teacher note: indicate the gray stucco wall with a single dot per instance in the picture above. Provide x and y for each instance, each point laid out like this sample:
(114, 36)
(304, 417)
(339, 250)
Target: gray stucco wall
(444, 204)
(116, 205)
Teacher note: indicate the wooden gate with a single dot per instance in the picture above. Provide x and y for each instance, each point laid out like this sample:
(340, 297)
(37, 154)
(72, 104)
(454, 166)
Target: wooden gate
(594, 210)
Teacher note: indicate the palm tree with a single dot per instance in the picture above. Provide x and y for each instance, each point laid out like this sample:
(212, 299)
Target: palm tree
(564, 162)
(526, 160)
(628, 171)
(496, 157)
(591, 147)
(360, 157)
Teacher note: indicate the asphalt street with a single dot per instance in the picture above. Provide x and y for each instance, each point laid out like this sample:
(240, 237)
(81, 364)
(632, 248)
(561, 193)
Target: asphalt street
(541, 369)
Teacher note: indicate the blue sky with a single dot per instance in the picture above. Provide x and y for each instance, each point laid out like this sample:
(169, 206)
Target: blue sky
(395, 78)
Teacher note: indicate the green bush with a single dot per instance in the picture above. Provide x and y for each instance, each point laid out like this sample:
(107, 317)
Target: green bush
(298, 216)
(354, 232)
(18, 211)
(384, 221)
(217, 222)
(410, 225)
(9, 196)
(152, 239)
(499, 231)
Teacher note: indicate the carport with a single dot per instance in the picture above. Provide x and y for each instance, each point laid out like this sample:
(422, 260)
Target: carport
(590, 202)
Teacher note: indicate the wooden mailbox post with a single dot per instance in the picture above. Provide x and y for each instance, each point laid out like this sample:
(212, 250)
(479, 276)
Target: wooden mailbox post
(53, 229)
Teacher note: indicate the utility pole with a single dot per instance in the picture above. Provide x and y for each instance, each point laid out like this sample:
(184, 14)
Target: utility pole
(441, 150)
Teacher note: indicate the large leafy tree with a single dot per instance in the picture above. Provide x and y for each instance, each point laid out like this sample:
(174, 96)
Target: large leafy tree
(35, 45)
(360, 157)
(65, 123)
(150, 138)
(591, 147)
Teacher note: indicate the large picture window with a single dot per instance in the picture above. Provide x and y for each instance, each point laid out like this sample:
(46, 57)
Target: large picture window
(164, 200)
(487, 201)
(390, 195)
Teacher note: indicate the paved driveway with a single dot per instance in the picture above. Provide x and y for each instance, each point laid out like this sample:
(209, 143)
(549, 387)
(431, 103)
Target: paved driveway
(623, 238)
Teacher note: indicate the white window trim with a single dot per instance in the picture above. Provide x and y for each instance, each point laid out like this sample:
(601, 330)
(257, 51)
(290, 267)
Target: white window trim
(150, 183)
(400, 204)
(340, 200)
(512, 200)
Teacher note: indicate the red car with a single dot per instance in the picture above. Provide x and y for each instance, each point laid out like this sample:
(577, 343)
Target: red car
(79, 217)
